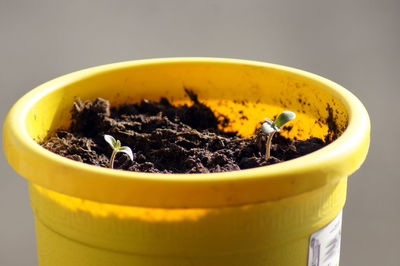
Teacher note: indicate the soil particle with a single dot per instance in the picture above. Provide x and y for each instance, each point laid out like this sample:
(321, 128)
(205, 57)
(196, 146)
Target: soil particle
(168, 139)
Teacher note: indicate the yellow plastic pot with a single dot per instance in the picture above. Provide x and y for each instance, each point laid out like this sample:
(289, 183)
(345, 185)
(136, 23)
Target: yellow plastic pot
(274, 215)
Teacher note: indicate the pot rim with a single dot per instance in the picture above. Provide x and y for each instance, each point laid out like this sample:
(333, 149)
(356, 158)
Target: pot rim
(325, 166)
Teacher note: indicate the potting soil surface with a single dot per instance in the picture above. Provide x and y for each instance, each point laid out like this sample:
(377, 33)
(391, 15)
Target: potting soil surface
(168, 139)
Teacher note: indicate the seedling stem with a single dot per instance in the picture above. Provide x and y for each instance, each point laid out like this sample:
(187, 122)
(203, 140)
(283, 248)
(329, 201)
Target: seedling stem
(270, 127)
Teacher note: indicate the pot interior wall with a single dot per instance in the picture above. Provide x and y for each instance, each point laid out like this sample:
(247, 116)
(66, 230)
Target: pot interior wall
(245, 93)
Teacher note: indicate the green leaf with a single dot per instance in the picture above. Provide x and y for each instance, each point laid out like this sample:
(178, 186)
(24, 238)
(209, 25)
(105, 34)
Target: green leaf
(110, 140)
(269, 121)
(127, 150)
(283, 118)
(118, 145)
(268, 128)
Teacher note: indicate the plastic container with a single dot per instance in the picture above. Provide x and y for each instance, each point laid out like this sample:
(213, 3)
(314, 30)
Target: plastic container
(274, 215)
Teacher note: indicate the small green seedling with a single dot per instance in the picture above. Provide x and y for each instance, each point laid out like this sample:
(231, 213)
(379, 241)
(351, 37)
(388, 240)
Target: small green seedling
(269, 127)
(116, 146)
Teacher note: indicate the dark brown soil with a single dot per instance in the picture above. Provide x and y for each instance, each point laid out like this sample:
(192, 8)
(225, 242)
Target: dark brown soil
(167, 139)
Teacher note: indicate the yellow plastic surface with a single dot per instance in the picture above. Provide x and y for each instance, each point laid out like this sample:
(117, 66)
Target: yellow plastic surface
(228, 85)
(87, 215)
(72, 231)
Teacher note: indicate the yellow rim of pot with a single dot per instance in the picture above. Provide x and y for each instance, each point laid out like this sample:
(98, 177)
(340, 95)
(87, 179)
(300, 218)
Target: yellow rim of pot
(330, 164)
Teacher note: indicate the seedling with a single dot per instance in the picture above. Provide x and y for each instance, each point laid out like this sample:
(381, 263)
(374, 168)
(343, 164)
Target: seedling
(116, 146)
(269, 127)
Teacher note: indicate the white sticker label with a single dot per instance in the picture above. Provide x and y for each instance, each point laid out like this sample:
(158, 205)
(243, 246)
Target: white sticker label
(324, 246)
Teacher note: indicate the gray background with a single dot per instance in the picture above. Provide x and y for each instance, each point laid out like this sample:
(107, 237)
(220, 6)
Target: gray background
(354, 43)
